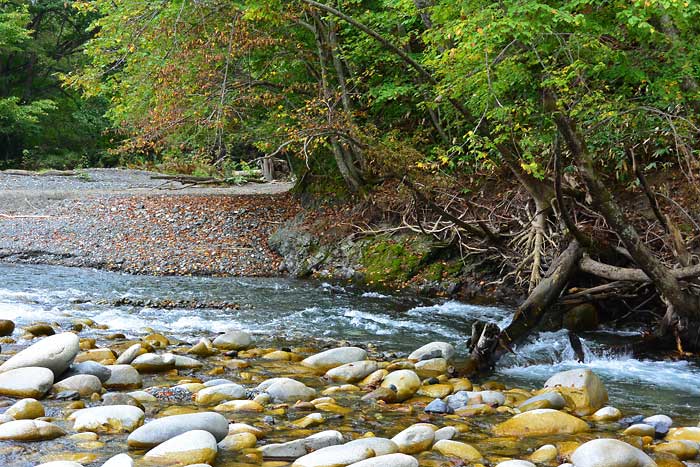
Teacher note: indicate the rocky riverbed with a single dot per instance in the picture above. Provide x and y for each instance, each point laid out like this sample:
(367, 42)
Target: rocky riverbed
(124, 220)
(85, 395)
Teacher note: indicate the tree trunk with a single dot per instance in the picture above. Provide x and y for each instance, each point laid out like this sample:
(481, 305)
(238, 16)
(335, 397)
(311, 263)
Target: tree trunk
(682, 317)
(487, 351)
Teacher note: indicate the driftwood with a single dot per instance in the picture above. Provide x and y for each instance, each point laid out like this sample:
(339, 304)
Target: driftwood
(43, 173)
(615, 273)
(491, 345)
(192, 180)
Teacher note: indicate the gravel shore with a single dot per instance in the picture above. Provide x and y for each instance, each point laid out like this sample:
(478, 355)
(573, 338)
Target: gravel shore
(123, 220)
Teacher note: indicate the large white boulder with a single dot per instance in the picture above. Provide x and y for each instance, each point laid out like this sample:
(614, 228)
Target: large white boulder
(433, 350)
(335, 357)
(610, 453)
(108, 419)
(163, 429)
(191, 447)
(582, 387)
(26, 382)
(55, 352)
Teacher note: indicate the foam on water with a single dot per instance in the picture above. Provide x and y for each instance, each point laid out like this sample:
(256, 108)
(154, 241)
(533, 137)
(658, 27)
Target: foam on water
(550, 352)
(501, 316)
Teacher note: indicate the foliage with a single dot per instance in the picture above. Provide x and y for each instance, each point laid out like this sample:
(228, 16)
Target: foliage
(196, 80)
(42, 124)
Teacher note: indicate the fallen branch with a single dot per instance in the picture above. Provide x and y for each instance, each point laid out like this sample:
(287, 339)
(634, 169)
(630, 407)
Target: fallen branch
(43, 173)
(615, 273)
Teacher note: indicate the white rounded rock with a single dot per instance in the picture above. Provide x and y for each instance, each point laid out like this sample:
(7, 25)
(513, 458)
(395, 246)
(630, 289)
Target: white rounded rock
(108, 419)
(335, 357)
(388, 460)
(60, 464)
(610, 453)
(123, 377)
(414, 439)
(233, 340)
(220, 393)
(33, 382)
(352, 372)
(120, 460)
(380, 446)
(163, 429)
(287, 390)
(85, 385)
(607, 414)
(433, 350)
(299, 447)
(515, 463)
(191, 447)
(30, 430)
(55, 352)
(335, 456)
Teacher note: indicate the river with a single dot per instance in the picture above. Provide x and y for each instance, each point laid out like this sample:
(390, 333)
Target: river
(287, 312)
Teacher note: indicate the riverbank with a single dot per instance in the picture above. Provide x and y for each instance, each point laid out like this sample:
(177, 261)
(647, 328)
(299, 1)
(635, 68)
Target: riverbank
(123, 220)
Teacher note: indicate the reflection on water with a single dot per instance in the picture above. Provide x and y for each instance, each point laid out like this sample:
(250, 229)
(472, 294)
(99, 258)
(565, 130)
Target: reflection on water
(297, 311)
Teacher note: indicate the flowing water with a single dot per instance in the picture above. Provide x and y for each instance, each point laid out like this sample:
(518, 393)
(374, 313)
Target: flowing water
(288, 312)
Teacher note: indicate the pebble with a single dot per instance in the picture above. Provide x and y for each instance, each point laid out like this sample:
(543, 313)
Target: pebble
(388, 460)
(120, 460)
(433, 350)
(85, 385)
(299, 447)
(123, 377)
(219, 393)
(404, 383)
(463, 451)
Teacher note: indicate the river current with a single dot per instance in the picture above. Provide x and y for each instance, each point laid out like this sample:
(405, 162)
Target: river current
(285, 312)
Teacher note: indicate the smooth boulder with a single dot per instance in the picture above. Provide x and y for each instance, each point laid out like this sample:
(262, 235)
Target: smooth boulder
(287, 390)
(541, 422)
(233, 340)
(335, 456)
(123, 377)
(55, 352)
(26, 409)
(108, 419)
(120, 460)
(163, 429)
(300, 447)
(352, 372)
(414, 439)
(191, 447)
(29, 430)
(84, 384)
(388, 460)
(610, 453)
(219, 393)
(404, 383)
(32, 382)
(583, 387)
(433, 350)
(335, 357)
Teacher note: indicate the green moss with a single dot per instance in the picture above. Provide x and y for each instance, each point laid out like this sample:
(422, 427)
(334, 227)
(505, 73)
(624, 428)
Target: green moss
(393, 261)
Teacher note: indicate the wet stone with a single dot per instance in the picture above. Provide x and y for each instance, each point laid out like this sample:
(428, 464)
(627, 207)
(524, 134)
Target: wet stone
(438, 406)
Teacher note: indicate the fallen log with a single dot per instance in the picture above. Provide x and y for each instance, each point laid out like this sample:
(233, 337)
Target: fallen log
(43, 173)
(615, 273)
(492, 345)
